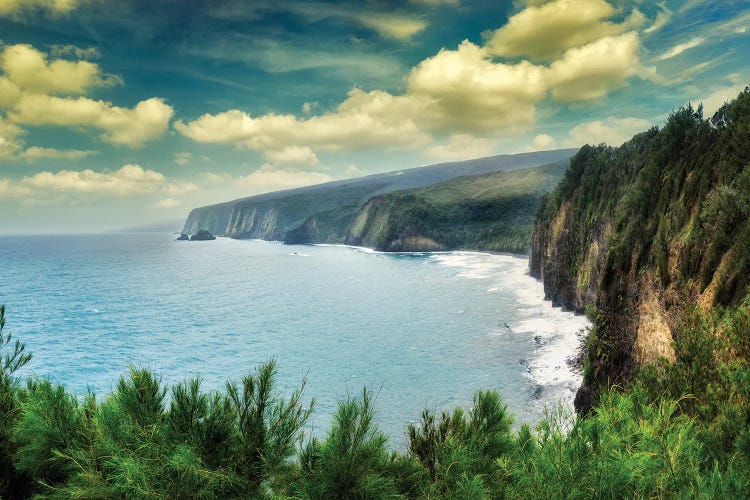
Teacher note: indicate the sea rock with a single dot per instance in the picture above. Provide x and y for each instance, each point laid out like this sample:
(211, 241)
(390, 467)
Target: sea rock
(202, 235)
(183, 237)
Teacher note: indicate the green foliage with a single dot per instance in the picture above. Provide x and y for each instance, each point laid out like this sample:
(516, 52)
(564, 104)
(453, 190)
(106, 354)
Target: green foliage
(682, 430)
(492, 212)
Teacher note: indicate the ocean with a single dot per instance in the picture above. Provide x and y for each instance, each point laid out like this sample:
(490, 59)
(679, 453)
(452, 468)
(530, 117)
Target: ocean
(418, 330)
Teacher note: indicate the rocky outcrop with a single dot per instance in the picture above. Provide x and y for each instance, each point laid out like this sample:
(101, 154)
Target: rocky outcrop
(202, 235)
(183, 237)
(641, 234)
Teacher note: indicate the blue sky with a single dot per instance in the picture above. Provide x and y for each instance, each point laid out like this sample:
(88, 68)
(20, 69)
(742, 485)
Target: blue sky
(118, 113)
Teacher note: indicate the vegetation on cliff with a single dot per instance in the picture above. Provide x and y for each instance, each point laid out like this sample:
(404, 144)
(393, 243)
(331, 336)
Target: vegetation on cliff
(647, 232)
(654, 440)
(314, 214)
(492, 212)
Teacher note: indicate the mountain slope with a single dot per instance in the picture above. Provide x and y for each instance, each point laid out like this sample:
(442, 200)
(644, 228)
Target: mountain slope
(645, 233)
(484, 212)
(272, 215)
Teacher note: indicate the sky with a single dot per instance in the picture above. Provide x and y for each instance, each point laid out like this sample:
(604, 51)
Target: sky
(118, 113)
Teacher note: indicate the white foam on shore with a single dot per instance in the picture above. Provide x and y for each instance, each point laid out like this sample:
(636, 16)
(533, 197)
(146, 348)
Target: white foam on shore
(556, 334)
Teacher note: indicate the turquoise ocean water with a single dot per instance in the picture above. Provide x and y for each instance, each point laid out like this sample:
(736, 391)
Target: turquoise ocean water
(419, 330)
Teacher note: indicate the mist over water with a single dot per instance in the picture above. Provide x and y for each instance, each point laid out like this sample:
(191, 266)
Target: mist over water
(420, 330)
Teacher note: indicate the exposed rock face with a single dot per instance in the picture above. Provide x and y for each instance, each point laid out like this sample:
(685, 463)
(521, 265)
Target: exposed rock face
(644, 233)
(183, 237)
(202, 235)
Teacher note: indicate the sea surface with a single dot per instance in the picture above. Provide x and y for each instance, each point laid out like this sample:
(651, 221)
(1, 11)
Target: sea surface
(418, 330)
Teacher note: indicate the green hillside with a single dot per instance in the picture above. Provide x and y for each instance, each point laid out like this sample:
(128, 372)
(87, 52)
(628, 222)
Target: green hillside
(492, 212)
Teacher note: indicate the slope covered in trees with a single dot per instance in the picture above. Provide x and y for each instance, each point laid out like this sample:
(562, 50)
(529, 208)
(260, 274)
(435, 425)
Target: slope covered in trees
(485, 212)
(648, 232)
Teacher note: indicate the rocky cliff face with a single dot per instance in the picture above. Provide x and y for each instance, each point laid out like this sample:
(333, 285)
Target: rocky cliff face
(645, 232)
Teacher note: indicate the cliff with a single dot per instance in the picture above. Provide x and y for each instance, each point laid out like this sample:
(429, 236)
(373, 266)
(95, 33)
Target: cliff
(646, 232)
(271, 216)
(484, 212)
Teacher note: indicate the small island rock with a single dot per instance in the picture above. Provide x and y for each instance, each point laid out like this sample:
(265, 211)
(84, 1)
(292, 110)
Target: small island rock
(202, 235)
(183, 237)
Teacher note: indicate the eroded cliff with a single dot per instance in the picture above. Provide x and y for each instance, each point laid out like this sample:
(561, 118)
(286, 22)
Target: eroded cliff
(642, 233)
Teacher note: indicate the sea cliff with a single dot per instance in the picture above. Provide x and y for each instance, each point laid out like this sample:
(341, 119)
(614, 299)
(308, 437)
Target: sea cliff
(642, 234)
(322, 213)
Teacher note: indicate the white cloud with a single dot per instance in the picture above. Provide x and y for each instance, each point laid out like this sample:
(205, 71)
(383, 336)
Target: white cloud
(461, 147)
(267, 179)
(36, 91)
(392, 26)
(543, 142)
(679, 49)
(9, 138)
(37, 153)
(592, 71)
(54, 7)
(29, 70)
(45, 187)
(364, 119)
(463, 91)
(292, 155)
(167, 203)
(718, 97)
(177, 188)
(131, 127)
(612, 131)
(543, 31)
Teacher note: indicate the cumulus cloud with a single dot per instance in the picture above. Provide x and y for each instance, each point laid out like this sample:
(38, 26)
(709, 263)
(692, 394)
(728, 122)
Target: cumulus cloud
(30, 70)
(9, 138)
(36, 153)
(131, 127)
(544, 30)
(43, 187)
(177, 188)
(363, 120)
(592, 71)
(461, 147)
(37, 91)
(292, 155)
(455, 93)
(612, 131)
(543, 141)
(53, 7)
(268, 178)
(464, 89)
(167, 203)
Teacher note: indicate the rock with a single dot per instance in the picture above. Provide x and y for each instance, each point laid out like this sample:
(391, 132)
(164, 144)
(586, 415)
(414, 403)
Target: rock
(183, 237)
(202, 235)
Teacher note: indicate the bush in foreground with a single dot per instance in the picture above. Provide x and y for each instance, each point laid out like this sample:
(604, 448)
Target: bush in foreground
(248, 441)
